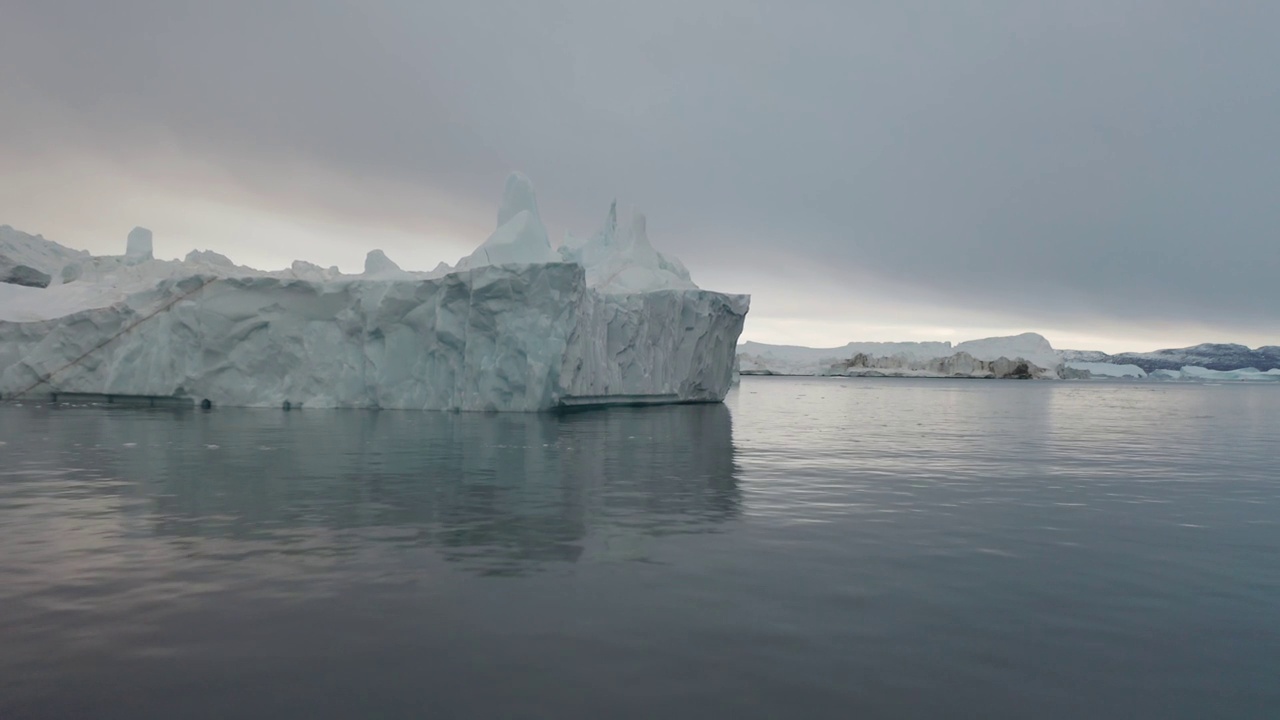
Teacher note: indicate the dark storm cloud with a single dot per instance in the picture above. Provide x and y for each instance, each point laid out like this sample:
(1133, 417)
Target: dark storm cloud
(1079, 164)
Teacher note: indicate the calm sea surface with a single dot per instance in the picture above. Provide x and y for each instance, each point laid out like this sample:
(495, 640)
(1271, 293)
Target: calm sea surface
(814, 548)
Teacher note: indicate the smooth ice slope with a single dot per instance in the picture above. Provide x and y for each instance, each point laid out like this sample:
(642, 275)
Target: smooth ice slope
(488, 336)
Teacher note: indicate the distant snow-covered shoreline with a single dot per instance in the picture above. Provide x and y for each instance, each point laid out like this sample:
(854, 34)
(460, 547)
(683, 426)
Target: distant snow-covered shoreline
(1025, 356)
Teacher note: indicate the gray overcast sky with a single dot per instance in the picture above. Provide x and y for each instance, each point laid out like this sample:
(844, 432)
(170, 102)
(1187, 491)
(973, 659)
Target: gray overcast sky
(1106, 173)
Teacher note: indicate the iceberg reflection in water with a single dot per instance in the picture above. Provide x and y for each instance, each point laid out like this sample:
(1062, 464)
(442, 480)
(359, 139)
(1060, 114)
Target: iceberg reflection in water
(496, 493)
(817, 547)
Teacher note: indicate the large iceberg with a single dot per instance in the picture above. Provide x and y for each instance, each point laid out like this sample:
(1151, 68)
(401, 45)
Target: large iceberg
(516, 326)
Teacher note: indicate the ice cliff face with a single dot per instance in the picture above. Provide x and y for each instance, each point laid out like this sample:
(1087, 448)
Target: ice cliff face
(512, 328)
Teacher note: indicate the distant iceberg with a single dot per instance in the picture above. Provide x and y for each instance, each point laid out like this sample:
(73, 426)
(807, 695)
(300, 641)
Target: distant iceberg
(515, 326)
(1211, 356)
(1088, 370)
(1198, 374)
(1025, 356)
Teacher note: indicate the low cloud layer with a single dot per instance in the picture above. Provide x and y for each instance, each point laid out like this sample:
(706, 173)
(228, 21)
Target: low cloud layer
(1105, 171)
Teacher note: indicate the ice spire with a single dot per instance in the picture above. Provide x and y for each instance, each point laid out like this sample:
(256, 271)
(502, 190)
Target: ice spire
(138, 246)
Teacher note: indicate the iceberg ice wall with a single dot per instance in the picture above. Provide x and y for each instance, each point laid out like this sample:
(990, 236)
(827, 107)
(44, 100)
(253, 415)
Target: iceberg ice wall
(515, 326)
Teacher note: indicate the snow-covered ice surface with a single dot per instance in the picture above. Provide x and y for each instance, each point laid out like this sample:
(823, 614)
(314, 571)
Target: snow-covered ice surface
(515, 326)
(34, 251)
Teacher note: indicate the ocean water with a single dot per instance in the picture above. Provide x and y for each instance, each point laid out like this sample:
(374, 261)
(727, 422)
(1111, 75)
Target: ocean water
(817, 548)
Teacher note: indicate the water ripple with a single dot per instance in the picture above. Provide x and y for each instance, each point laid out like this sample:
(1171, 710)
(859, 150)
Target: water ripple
(826, 547)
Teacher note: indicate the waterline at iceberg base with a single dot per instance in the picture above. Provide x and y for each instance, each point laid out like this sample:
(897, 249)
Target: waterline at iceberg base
(529, 334)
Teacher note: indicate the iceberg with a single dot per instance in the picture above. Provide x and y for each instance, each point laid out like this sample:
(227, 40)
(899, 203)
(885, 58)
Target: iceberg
(958, 365)
(764, 359)
(1028, 355)
(1210, 356)
(1080, 370)
(515, 326)
(1193, 373)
